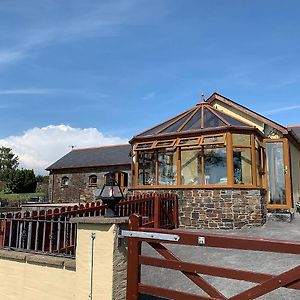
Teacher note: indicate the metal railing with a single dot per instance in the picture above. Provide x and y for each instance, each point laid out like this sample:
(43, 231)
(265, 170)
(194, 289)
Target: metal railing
(56, 237)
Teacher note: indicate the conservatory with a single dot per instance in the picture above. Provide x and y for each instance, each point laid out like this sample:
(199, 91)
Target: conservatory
(200, 148)
(227, 164)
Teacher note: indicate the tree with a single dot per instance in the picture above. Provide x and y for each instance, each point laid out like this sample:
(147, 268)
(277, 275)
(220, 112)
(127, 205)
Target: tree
(21, 181)
(8, 161)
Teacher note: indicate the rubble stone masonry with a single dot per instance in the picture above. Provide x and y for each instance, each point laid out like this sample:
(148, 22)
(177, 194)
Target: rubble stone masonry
(219, 208)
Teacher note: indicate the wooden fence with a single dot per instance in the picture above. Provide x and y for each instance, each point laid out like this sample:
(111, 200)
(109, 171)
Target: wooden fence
(52, 231)
(266, 283)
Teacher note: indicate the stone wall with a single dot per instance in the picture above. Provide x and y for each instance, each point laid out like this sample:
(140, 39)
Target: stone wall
(219, 208)
(78, 189)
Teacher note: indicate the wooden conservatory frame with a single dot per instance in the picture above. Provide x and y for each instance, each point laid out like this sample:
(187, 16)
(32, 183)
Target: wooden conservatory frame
(192, 129)
(176, 145)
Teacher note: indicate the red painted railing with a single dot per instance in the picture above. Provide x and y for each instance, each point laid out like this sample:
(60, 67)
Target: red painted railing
(51, 231)
(264, 283)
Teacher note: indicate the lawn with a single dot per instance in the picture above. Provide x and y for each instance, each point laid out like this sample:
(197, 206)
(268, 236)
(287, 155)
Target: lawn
(19, 198)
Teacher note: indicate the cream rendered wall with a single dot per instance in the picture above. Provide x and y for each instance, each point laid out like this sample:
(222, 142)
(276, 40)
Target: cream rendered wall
(26, 276)
(103, 258)
(237, 114)
(295, 169)
(31, 281)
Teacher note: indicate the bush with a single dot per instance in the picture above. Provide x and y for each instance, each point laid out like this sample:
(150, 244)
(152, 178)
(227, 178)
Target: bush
(21, 181)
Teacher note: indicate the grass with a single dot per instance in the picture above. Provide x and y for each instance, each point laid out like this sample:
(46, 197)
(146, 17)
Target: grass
(18, 197)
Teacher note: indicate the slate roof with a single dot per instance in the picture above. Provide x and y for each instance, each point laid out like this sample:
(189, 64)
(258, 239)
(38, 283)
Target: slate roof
(94, 157)
(296, 130)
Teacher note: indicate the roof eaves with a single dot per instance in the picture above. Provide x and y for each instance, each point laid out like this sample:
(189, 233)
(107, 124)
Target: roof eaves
(90, 166)
(100, 147)
(295, 137)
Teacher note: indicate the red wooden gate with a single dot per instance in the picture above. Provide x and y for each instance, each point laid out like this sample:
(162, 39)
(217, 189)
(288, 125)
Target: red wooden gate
(266, 283)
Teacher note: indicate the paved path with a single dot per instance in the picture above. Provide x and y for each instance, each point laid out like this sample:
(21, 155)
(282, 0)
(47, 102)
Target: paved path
(248, 260)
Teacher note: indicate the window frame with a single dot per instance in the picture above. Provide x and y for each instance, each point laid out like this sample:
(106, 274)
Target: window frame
(227, 143)
(65, 180)
(93, 184)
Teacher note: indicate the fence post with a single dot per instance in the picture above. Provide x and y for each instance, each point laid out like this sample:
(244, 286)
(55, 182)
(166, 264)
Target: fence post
(133, 267)
(2, 232)
(175, 211)
(156, 211)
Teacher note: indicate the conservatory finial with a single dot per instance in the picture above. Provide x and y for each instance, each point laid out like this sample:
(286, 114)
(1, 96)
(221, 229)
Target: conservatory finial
(203, 99)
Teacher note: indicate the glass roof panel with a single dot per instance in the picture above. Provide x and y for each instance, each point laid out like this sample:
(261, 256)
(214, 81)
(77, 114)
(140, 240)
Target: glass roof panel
(157, 128)
(194, 122)
(174, 127)
(211, 120)
(230, 120)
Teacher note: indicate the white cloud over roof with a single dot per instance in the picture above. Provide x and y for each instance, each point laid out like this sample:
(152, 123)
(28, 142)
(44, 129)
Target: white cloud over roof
(38, 148)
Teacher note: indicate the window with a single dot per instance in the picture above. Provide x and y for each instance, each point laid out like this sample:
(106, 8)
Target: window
(216, 139)
(146, 171)
(191, 167)
(188, 142)
(242, 165)
(122, 179)
(143, 146)
(167, 168)
(65, 181)
(203, 160)
(241, 139)
(242, 159)
(164, 144)
(93, 180)
(215, 166)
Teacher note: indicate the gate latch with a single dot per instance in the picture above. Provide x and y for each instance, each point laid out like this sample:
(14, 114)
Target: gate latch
(149, 235)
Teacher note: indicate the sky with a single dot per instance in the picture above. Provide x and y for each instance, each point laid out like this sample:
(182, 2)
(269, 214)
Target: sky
(90, 73)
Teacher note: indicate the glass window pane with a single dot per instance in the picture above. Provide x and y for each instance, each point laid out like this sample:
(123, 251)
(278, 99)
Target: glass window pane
(215, 166)
(259, 166)
(276, 173)
(174, 127)
(161, 126)
(241, 139)
(194, 122)
(144, 145)
(211, 120)
(146, 170)
(164, 144)
(242, 165)
(187, 142)
(167, 168)
(213, 139)
(191, 167)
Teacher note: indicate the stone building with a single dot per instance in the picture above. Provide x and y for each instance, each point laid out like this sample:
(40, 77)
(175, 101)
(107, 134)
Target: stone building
(79, 175)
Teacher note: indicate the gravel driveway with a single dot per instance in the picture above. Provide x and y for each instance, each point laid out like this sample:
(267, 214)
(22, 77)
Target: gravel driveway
(263, 262)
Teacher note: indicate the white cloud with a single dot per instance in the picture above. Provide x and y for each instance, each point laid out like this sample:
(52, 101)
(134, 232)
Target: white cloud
(38, 148)
(28, 91)
(8, 56)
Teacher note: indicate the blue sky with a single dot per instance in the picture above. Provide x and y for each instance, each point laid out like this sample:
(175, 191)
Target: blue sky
(123, 66)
